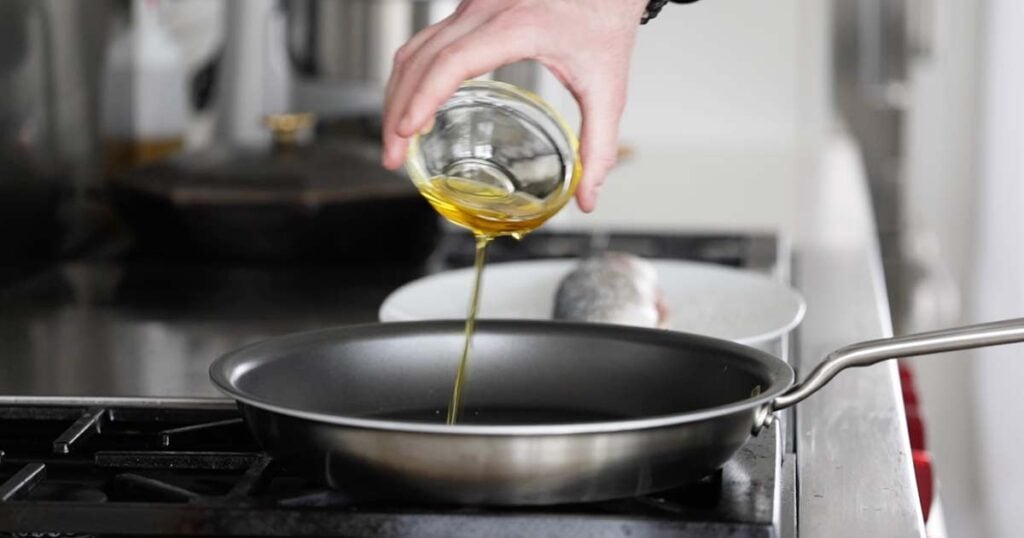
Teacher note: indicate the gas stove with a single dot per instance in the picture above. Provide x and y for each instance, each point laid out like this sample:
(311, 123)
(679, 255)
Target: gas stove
(95, 466)
(153, 467)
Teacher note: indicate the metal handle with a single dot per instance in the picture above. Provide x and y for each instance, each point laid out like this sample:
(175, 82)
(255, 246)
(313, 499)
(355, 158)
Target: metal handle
(867, 353)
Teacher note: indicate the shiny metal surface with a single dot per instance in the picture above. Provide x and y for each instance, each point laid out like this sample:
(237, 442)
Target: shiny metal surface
(501, 470)
(350, 40)
(555, 412)
(854, 469)
(341, 50)
(138, 328)
(122, 401)
(868, 353)
(625, 425)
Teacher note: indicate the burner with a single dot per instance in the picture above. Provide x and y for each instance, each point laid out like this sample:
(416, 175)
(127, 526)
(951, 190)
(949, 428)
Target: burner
(125, 479)
(50, 535)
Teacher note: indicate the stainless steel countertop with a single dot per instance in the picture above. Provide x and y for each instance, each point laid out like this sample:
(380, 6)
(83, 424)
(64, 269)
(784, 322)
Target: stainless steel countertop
(855, 473)
(150, 329)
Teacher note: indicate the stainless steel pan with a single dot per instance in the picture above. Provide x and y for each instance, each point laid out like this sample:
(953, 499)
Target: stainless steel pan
(554, 412)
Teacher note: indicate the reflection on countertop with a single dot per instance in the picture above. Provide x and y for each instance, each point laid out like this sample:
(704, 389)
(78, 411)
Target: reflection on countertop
(142, 327)
(152, 328)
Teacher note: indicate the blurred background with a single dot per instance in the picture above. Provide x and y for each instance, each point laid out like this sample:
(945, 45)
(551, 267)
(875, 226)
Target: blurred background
(248, 130)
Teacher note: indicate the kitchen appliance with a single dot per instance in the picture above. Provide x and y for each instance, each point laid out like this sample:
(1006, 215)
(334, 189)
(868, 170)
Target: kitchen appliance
(556, 412)
(152, 467)
(753, 494)
(340, 51)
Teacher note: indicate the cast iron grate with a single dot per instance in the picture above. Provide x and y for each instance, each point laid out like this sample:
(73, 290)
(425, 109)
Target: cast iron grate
(169, 469)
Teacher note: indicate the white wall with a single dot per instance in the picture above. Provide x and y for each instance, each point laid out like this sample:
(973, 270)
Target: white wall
(998, 284)
(726, 97)
(966, 191)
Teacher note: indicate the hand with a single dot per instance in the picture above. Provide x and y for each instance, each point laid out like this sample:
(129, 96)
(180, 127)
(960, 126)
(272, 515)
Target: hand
(585, 43)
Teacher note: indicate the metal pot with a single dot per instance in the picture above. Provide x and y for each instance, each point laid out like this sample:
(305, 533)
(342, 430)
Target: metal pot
(555, 412)
(341, 50)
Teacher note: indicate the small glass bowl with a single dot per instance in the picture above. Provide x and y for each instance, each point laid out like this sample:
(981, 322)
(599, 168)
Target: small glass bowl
(496, 152)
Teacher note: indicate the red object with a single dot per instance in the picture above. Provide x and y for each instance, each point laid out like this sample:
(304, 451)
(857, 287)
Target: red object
(915, 429)
(909, 396)
(925, 482)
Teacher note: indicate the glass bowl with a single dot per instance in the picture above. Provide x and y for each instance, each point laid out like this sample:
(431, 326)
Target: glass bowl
(498, 160)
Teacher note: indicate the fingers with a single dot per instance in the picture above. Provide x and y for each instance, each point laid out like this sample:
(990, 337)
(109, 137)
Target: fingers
(410, 66)
(467, 47)
(474, 54)
(590, 56)
(391, 140)
(602, 108)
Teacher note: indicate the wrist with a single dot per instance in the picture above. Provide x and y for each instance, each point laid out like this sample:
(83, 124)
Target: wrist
(655, 6)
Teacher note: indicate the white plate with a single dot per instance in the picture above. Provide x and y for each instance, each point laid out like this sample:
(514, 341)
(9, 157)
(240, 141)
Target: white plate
(702, 298)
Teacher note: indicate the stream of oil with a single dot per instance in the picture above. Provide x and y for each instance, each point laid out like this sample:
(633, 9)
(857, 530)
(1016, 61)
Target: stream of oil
(489, 211)
(455, 405)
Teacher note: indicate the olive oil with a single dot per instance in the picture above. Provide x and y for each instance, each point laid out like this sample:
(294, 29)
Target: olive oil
(489, 211)
(498, 161)
(455, 405)
(486, 209)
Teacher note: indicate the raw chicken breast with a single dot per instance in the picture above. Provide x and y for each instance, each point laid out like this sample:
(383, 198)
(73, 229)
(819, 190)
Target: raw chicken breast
(615, 288)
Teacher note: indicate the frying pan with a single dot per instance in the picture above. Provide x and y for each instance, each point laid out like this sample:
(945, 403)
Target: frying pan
(554, 412)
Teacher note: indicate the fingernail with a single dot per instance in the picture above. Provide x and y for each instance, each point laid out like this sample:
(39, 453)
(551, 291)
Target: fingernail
(387, 159)
(428, 127)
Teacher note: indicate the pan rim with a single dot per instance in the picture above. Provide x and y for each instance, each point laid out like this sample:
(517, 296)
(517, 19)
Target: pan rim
(780, 374)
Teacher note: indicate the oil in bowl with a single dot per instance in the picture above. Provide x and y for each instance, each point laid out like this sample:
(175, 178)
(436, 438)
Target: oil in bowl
(498, 161)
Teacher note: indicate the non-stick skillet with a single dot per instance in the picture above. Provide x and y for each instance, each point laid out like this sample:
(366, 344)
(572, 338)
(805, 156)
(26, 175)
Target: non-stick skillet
(554, 412)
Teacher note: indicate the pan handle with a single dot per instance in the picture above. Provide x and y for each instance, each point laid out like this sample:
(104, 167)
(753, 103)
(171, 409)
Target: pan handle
(867, 353)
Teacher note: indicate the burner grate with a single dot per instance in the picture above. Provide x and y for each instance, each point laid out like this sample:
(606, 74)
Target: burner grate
(152, 470)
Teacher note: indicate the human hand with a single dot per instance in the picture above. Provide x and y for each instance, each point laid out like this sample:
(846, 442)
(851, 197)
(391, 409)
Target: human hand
(586, 44)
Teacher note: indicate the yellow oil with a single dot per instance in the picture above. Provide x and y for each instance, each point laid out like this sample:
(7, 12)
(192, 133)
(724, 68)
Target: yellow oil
(455, 405)
(488, 211)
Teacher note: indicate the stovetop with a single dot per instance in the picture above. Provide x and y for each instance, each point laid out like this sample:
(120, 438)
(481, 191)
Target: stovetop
(179, 466)
(758, 252)
(165, 466)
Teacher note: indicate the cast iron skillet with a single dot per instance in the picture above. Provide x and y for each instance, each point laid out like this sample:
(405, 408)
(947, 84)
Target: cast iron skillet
(554, 412)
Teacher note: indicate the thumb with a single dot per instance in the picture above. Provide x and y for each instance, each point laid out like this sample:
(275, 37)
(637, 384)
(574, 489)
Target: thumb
(602, 110)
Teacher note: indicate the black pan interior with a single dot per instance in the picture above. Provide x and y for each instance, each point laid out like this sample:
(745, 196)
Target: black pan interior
(520, 372)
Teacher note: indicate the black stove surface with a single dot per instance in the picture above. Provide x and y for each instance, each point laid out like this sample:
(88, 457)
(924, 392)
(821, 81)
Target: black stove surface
(172, 467)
